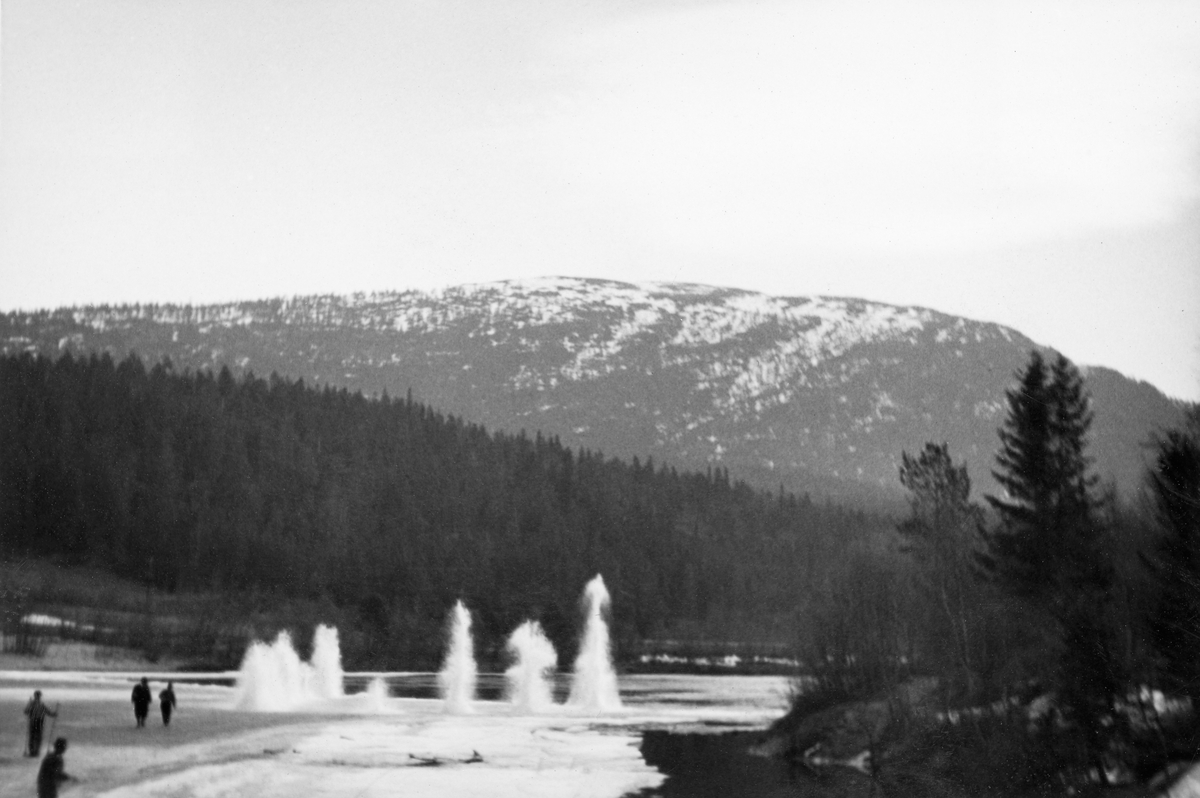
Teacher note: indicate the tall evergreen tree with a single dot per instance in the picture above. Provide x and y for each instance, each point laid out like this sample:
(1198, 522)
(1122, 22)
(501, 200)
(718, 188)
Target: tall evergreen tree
(942, 530)
(1016, 551)
(1175, 625)
(1050, 548)
(1049, 541)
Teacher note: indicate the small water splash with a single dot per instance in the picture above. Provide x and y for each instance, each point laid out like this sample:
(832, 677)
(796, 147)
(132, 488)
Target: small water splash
(594, 686)
(376, 694)
(272, 677)
(529, 686)
(457, 676)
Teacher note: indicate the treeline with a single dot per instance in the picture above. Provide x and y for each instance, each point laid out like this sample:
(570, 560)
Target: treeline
(1057, 628)
(203, 482)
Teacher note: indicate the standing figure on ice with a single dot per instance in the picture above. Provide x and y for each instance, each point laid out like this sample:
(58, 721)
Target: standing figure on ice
(166, 702)
(36, 711)
(141, 701)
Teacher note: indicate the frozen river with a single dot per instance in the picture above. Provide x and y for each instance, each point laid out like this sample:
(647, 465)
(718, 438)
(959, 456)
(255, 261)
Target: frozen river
(365, 744)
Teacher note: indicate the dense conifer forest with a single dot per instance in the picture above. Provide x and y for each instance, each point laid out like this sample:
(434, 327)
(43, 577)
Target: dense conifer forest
(201, 482)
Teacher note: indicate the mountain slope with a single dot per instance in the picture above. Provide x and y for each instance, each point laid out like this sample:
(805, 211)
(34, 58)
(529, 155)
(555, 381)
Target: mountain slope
(818, 394)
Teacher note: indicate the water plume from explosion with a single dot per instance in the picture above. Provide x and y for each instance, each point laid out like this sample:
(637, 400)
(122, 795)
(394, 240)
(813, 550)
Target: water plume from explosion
(376, 695)
(457, 676)
(529, 677)
(273, 678)
(594, 686)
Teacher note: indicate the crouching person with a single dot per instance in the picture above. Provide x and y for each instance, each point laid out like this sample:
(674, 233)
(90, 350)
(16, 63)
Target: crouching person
(52, 772)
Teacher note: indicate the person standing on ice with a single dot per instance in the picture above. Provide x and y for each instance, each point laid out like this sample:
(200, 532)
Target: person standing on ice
(141, 701)
(36, 711)
(166, 702)
(51, 773)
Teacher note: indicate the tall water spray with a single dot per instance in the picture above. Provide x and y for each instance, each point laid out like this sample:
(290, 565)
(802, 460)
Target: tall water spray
(272, 677)
(457, 676)
(327, 663)
(535, 659)
(594, 685)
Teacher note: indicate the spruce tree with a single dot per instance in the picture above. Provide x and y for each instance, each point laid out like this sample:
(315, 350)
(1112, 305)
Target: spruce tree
(1175, 625)
(1049, 543)
(1017, 549)
(1049, 547)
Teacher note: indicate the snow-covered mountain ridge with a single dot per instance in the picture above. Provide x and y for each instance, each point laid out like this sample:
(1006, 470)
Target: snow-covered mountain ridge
(810, 392)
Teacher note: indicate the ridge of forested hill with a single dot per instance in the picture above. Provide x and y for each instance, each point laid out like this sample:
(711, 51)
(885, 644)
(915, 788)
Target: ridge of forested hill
(820, 394)
(201, 481)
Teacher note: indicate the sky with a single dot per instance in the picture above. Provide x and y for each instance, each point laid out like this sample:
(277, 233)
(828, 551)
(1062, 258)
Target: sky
(1035, 164)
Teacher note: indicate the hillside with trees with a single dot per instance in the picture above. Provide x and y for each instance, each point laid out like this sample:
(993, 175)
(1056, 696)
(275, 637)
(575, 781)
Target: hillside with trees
(1046, 643)
(200, 482)
(819, 394)
(1043, 641)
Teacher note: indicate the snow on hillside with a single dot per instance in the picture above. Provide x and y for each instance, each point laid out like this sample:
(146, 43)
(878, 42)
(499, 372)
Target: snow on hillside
(780, 342)
(690, 373)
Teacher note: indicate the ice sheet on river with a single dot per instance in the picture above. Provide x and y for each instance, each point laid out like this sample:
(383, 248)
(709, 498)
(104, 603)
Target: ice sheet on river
(370, 746)
(430, 756)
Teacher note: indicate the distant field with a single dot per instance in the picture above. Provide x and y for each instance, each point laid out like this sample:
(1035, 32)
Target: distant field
(73, 655)
(56, 617)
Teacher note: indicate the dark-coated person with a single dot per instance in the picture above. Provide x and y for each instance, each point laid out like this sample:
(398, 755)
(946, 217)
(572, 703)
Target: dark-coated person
(166, 702)
(36, 711)
(141, 699)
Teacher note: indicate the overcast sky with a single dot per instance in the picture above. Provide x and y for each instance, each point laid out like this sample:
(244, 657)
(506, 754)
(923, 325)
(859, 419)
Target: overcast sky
(1035, 164)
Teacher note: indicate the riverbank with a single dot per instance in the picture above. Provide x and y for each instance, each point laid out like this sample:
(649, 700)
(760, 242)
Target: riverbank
(75, 655)
(910, 746)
